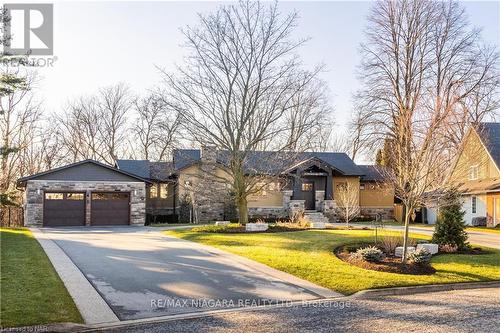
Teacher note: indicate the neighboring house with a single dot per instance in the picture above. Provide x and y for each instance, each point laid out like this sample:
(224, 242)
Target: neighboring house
(85, 193)
(476, 174)
(91, 193)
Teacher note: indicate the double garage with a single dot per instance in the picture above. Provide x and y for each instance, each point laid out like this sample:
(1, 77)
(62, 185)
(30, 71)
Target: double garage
(86, 193)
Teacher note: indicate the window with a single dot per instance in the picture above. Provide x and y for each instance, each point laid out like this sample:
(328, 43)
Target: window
(473, 172)
(474, 204)
(361, 186)
(74, 196)
(54, 196)
(163, 191)
(153, 191)
(307, 187)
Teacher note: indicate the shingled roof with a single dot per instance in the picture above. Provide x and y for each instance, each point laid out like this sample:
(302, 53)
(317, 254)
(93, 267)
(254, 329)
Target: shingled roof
(490, 136)
(270, 161)
(156, 171)
(371, 173)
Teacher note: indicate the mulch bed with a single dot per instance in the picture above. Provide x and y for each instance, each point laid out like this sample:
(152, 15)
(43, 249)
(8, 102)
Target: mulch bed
(389, 264)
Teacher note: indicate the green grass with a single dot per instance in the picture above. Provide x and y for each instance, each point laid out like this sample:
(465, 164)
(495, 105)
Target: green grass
(495, 230)
(31, 292)
(309, 255)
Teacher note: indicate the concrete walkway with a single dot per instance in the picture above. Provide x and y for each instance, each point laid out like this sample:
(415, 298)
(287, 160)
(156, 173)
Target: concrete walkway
(142, 273)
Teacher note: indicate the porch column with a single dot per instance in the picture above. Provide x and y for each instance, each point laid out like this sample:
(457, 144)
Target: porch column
(329, 186)
(297, 188)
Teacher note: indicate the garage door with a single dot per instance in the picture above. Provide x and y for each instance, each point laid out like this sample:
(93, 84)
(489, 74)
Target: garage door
(110, 208)
(63, 209)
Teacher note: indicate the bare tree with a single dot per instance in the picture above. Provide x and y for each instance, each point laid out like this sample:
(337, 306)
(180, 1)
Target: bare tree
(20, 115)
(157, 127)
(420, 65)
(95, 126)
(240, 81)
(347, 198)
(114, 103)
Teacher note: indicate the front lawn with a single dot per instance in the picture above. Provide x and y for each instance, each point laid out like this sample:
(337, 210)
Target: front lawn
(309, 255)
(31, 292)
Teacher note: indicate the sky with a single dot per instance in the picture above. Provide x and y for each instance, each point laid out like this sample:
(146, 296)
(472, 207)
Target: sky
(103, 43)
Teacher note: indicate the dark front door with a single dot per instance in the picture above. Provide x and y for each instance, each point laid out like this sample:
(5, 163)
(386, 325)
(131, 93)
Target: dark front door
(61, 209)
(308, 195)
(110, 208)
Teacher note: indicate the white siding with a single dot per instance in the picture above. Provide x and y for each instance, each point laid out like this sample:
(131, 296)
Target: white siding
(467, 207)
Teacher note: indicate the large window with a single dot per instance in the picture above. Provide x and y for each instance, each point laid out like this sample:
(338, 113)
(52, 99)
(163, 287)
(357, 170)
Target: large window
(153, 191)
(474, 205)
(163, 191)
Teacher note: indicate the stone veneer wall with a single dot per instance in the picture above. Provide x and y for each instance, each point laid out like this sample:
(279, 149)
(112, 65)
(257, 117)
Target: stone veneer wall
(33, 213)
(387, 212)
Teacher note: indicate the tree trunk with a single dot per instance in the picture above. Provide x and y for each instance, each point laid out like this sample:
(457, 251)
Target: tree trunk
(405, 238)
(243, 210)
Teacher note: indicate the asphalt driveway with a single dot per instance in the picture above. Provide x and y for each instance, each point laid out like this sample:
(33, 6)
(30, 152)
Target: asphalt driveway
(141, 273)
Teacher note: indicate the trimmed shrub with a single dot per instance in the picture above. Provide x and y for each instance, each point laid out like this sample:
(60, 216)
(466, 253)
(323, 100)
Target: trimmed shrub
(420, 256)
(450, 225)
(370, 254)
(186, 209)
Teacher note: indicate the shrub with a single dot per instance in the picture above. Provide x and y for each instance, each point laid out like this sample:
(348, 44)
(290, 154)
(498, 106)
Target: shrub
(370, 254)
(450, 225)
(389, 243)
(230, 209)
(447, 248)
(479, 221)
(421, 256)
(186, 209)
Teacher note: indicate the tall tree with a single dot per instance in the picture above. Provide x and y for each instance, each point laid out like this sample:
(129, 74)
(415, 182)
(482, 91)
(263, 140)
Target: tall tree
(157, 127)
(95, 126)
(242, 87)
(421, 64)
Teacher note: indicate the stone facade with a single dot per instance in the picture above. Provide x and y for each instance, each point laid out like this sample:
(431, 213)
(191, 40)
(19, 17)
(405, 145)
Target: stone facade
(35, 190)
(330, 209)
(387, 212)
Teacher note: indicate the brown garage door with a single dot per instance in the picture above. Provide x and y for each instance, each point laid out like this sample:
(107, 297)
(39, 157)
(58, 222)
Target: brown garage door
(63, 209)
(110, 208)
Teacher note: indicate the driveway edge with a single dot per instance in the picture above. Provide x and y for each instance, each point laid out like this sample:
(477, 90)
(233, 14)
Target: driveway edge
(373, 293)
(92, 307)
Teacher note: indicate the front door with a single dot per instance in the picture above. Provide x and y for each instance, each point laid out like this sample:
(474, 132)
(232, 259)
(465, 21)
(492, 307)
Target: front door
(308, 195)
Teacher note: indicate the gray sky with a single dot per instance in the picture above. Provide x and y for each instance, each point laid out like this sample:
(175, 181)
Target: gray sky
(102, 43)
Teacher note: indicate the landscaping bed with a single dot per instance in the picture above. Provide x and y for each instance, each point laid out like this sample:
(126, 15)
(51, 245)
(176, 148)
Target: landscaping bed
(388, 264)
(31, 292)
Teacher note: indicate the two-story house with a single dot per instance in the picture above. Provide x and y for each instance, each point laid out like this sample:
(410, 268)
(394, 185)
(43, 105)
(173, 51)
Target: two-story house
(476, 174)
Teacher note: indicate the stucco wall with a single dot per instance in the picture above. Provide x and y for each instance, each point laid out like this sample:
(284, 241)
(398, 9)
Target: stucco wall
(35, 190)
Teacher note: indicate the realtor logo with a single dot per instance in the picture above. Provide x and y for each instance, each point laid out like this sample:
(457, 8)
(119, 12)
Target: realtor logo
(31, 29)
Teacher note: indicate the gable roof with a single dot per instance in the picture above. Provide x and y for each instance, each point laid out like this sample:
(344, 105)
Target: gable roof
(489, 133)
(76, 164)
(156, 171)
(270, 161)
